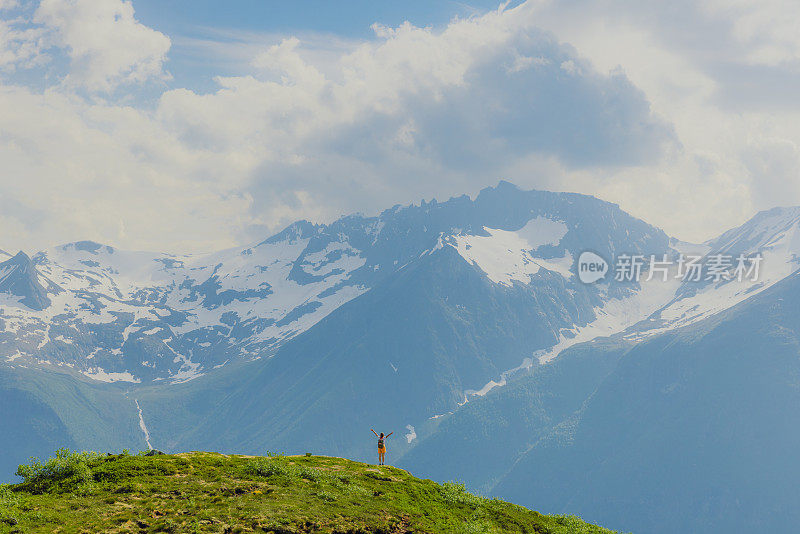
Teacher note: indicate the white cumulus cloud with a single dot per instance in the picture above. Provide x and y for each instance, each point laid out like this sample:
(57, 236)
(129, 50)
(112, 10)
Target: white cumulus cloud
(107, 46)
(414, 112)
(685, 115)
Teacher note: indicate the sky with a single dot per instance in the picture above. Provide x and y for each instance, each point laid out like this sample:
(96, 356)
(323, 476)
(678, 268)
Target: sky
(196, 126)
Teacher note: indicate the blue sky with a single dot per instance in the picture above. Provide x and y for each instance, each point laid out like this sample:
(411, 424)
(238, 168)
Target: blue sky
(186, 21)
(190, 126)
(351, 19)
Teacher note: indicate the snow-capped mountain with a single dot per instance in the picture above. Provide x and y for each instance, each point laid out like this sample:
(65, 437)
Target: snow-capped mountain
(773, 236)
(131, 316)
(116, 315)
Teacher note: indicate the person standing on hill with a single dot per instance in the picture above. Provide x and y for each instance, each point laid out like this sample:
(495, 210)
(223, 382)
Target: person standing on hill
(381, 446)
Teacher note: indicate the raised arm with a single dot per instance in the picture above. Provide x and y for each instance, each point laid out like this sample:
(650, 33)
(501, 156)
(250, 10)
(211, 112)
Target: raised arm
(389, 434)
(373, 431)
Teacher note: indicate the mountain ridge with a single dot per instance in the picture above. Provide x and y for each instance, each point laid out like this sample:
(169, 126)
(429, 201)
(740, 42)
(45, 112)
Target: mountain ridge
(169, 317)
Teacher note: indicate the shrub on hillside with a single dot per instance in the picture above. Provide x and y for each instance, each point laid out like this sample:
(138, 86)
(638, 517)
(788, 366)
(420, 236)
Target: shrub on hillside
(263, 467)
(7, 502)
(68, 471)
(456, 493)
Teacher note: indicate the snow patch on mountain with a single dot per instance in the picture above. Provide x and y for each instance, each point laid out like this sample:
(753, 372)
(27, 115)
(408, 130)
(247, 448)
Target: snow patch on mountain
(99, 374)
(189, 370)
(614, 316)
(774, 234)
(336, 256)
(17, 355)
(543, 231)
(507, 256)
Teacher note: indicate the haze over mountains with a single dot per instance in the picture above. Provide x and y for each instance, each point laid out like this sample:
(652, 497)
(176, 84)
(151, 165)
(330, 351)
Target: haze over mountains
(460, 325)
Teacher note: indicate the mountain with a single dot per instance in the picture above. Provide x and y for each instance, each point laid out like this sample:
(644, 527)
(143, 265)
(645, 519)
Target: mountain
(482, 441)
(397, 318)
(430, 334)
(699, 420)
(463, 326)
(685, 411)
(206, 492)
(19, 279)
(143, 317)
(403, 353)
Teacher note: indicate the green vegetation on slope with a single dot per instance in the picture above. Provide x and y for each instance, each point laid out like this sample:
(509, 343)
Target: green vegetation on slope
(210, 492)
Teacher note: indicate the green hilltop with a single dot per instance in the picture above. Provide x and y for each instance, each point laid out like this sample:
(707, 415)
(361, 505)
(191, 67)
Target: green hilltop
(210, 492)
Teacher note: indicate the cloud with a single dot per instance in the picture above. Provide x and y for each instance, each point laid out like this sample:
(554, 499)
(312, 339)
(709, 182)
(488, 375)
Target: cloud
(107, 173)
(413, 113)
(641, 107)
(107, 46)
(724, 74)
(774, 164)
(20, 46)
(767, 31)
(416, 113)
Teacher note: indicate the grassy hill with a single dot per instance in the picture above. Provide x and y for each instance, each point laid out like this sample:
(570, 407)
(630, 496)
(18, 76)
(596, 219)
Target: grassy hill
(210, 492)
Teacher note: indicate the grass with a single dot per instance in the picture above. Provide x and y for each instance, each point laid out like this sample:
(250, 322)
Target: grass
(209, 492)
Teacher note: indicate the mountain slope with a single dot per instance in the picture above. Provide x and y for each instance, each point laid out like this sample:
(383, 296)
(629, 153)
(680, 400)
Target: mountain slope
(482, 440)
(19, 278)
(43, 409)
(699, 420)
(399, 354)
(205, 492)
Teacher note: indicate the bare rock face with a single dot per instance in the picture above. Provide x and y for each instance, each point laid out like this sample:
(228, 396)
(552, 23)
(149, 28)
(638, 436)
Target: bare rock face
(19, 277)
